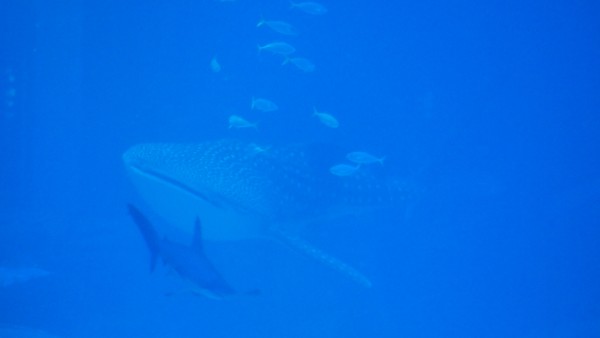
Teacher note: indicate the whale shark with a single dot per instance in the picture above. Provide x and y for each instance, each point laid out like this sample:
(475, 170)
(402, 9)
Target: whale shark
(242, 190)
(190, 262)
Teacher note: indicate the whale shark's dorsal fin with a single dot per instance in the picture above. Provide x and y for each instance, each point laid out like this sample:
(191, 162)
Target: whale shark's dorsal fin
(197, 244)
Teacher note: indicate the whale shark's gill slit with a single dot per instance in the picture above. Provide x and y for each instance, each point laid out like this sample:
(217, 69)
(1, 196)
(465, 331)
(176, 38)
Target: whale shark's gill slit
(179, 185)
(298, 244)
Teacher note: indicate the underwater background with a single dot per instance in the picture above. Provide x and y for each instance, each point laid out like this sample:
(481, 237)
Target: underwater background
(488, 110)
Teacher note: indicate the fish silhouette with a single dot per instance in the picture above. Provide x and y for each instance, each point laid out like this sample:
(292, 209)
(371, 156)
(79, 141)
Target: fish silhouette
(190, 262)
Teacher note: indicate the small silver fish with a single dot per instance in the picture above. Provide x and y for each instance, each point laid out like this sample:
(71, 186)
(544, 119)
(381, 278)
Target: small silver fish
(303, 64)
(309, 7)
(263, 105)
(238, 122)
(255, 149)
(280, 27)
(361, 157)
(281, 48)
(326, 119)
(214, 64)
(344, 169)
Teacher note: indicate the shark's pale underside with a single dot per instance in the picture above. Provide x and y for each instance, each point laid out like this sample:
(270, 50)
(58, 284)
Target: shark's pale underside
(241, 190)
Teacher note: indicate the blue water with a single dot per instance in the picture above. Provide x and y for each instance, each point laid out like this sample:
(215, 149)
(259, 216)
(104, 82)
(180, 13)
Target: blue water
(490, 109)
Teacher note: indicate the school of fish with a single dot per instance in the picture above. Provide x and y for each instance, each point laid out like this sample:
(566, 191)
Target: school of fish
(279, 46)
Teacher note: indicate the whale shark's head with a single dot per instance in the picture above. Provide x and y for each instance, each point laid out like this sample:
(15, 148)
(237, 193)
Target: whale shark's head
(240, 189)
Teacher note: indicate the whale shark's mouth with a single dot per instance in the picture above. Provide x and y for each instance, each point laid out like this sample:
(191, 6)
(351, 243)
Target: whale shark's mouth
(157, 176)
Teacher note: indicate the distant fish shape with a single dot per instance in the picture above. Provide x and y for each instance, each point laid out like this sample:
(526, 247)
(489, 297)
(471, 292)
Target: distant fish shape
(15, 331)
(214, 64)
(344, 170)
(255, 149)
(263, 105)
(238, 122)
(361, 157)
(10, 276)
(303, 64)
(280, 27)
(279, 48)
(309, 7)
(326, 119)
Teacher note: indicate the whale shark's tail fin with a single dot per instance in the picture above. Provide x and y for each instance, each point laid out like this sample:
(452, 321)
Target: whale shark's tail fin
(148, 232)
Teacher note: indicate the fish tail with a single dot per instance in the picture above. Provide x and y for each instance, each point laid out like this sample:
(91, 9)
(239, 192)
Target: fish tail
(148, 232)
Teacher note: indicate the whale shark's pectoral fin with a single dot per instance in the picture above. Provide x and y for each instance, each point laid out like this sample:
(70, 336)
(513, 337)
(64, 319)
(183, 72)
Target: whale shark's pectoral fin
(206, 293)
(212, 295)
(196, 292)
(303, 246)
